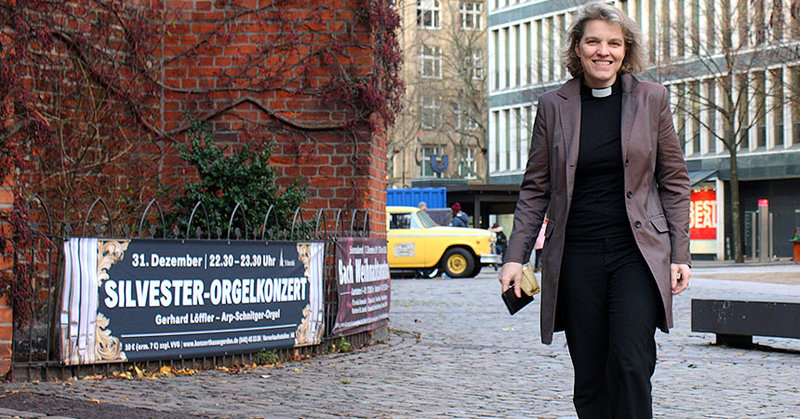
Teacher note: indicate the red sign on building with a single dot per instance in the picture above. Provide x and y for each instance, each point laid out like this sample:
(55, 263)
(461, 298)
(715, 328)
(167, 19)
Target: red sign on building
(703, 215)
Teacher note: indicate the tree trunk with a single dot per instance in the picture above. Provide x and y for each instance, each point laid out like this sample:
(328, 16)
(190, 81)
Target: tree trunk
(736, 214)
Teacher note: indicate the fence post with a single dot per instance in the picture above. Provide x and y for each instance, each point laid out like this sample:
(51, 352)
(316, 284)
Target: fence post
(6, 268)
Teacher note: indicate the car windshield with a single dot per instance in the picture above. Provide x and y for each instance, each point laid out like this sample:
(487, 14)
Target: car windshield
(426, 219)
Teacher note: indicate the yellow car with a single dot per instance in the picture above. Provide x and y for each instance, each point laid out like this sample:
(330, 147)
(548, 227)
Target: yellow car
(417, 244)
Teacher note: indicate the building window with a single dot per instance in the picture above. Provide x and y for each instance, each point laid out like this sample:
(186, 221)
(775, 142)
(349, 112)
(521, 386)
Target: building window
(495, 40)
(466, 167)
(777, 105)
(463, 119)
(473, 63)
(519, 121)
(430, 62)
(794, 73)
(428, 14)
(711, 117)
(431, 115)
(796, 132)
(471, 16)
(760, 95)
(744, 109)
(428, 155)
(694, 123)
(458, 115)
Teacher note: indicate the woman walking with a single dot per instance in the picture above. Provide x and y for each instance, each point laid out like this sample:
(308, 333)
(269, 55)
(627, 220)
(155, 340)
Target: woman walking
(606, 166)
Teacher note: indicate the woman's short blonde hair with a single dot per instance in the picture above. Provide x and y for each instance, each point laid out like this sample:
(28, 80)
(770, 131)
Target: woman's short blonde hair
(634, 61)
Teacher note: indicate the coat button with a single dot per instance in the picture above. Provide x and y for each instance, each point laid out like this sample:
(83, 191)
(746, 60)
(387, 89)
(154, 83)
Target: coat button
(638, 224)
(629, 194)
(627, 162)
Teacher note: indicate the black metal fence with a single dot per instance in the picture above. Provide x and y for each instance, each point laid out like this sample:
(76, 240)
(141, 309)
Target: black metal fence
(36, 342)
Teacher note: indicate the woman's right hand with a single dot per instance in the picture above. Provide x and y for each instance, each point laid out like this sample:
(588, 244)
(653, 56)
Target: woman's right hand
(511, 274)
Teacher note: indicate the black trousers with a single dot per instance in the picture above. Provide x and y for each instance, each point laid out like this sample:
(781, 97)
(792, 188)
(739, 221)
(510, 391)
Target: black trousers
(609, 305)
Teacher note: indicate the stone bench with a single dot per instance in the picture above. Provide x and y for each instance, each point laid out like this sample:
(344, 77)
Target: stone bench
(736, 322)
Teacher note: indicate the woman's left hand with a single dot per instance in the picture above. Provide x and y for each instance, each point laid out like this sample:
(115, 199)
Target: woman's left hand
(680, 274)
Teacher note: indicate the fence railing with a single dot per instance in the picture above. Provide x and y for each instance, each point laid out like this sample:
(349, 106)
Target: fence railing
(35, 346)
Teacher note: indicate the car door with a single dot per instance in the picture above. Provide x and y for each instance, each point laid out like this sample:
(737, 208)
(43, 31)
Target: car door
(406, 239)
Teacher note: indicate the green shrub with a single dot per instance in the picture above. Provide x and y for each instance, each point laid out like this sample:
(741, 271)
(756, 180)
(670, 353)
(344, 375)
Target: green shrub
(226, 178)
(341, 346)
(266, 357)
(344, 345)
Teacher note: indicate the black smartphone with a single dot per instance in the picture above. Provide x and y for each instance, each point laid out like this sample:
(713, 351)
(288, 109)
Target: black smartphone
(513, 303)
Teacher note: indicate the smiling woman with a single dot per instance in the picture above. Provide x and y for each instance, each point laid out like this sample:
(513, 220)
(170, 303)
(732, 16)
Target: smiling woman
(606, 167)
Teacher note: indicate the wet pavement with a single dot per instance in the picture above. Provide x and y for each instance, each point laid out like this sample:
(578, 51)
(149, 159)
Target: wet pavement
(455, 352)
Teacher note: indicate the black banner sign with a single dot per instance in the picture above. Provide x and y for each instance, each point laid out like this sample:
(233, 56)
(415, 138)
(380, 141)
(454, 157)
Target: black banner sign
(364, 284)
(160, 299)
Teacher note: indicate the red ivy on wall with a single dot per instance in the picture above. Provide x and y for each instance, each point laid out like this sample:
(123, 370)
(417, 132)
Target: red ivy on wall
(85, 88)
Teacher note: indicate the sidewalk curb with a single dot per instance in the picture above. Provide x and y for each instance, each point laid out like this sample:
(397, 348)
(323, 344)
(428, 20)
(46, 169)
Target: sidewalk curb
(732, 264)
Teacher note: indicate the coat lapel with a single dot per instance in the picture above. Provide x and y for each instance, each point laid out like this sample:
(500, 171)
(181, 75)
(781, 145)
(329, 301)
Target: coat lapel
(570, 112)
(628, 111)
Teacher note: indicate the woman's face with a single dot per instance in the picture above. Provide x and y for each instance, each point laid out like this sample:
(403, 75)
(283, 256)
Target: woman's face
(601, 50)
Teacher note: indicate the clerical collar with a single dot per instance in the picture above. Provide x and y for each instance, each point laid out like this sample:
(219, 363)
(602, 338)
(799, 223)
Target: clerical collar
(588, 92)
(604, 92)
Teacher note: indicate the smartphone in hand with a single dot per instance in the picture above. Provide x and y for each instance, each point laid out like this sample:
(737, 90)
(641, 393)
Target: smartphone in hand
(514, 303)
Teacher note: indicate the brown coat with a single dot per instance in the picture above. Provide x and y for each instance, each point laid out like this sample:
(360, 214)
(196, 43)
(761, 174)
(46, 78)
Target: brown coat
(656, 185)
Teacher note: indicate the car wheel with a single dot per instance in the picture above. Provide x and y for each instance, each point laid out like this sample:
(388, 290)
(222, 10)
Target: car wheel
(476, 271)
(458, 263)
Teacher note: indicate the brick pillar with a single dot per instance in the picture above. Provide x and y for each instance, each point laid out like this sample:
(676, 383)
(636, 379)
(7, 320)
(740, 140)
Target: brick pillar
(6, 268)
(6, 235)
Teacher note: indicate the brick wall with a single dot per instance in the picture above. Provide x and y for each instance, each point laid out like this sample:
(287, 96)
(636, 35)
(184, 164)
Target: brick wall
(6, 237)
(320, 140)
(344, 168)
(6, 266)
(244, 98)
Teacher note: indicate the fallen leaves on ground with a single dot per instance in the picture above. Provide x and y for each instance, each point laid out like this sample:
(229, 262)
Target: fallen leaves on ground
(135, 372)
(124, 375)
(229, 370)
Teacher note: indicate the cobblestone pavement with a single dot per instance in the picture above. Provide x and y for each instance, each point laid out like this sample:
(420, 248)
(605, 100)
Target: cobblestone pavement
(455, 352)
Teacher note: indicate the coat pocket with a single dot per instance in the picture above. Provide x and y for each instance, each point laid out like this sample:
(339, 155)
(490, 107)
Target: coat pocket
(660, 223)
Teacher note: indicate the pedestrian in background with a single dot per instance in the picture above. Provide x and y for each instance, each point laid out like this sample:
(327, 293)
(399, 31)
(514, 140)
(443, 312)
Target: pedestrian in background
(422, 206)
(500, 241)
(606, 166)
(460, 219)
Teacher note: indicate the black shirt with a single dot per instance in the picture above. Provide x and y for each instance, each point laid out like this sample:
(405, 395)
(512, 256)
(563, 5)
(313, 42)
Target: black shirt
(598, 197)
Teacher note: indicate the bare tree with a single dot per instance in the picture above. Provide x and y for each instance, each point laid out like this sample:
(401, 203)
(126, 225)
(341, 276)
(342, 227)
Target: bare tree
(465, 69)
(727, 49)
(445, 93)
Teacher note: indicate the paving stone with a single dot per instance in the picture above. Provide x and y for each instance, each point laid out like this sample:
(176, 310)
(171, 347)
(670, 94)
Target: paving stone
(19, 414)
(454, 352)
